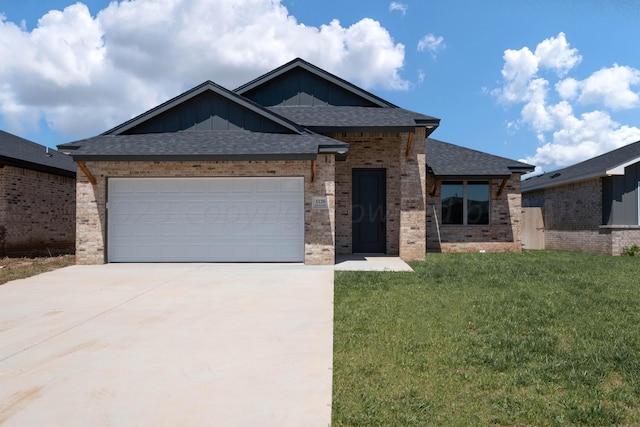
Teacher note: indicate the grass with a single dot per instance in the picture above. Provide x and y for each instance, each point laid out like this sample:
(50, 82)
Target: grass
(529, 339)
(20, 268)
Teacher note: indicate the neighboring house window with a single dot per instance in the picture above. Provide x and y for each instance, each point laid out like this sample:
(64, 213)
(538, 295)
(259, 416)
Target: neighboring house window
(465, 202)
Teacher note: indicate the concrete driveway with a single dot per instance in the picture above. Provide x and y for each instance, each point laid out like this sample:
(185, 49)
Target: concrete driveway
(168, 345)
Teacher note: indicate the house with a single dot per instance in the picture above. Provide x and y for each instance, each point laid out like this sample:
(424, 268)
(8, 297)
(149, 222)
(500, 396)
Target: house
(37, 199)
(297, 165)
(473, 200)
(592, 206)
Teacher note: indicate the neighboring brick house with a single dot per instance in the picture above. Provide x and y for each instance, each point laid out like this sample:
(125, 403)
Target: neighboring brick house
(473, 200)
(37, 199)
(592, 206)
(297, 165)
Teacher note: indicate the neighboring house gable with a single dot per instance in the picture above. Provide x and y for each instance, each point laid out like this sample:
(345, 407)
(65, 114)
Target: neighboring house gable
(474, 199)
(591, 206)
(37, 199)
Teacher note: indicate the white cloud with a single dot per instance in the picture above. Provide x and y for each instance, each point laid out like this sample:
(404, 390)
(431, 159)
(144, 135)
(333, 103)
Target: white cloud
(612, 87)
(84, 74)
(399, 7)
(567, 137)
(431, 43)
(568, 88)
(555, 54)
(581, 138)
(519, 68)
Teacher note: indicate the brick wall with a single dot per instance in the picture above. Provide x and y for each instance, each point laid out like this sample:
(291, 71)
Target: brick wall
(622, 236)
(503, 234)
(405, 229)
(37, 213)
(576, 206)
(319, 224)
(572, 216)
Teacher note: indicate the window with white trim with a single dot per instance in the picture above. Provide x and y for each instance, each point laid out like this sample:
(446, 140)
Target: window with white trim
(465, 202)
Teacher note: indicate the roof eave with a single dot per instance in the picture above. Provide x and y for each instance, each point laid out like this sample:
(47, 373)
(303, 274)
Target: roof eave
(361, 129)
(548, 184)
(193, 157)
(522, 169)
(36, 167)
(471, 177)
(619, 169)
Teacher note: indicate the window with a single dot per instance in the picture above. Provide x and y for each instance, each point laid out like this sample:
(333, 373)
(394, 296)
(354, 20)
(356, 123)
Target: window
(465, 202)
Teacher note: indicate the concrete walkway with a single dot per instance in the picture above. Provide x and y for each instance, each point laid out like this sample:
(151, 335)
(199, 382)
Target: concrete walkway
(370, 262)
(168, 345)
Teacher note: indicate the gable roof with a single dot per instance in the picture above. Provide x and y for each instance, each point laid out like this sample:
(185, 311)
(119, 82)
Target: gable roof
(203, 146)
(326, 119)
(450, 161)
(300, 64)
(611, 163)
(284, 125)
(20, 152)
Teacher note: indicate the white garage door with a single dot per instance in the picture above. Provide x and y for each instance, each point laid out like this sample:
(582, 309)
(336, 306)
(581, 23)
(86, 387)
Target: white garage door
(205, 219)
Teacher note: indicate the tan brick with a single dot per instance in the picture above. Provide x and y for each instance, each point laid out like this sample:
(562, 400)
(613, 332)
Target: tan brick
(319, 224)
(503, 234)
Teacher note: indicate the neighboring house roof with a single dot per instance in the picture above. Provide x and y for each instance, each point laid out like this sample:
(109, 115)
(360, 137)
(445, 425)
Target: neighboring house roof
(450, 161)
(19, 152)
(611, 163)
(301, 64)
(326, 119)
(203, 146)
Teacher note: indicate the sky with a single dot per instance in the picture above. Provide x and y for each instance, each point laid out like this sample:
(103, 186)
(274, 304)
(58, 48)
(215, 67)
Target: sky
(550, 82)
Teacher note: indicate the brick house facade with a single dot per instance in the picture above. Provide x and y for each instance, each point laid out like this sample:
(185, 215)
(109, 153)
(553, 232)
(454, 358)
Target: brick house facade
(501, 231)
(591, 206)
(37, 199)
(362, 161)
(502, 234)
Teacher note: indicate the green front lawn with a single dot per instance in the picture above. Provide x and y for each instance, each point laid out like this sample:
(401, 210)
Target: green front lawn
(530, 339)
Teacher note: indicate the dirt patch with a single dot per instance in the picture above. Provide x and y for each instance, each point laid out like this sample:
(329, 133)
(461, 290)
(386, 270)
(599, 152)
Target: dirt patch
(20, 268)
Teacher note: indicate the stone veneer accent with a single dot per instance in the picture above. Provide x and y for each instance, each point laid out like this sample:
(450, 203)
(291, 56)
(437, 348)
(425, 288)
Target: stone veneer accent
(319, 224)
(572, 217)
(405, 228)
(503, 234)
(37, 213)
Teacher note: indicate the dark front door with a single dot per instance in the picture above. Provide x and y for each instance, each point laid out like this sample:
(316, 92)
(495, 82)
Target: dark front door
(368, 210)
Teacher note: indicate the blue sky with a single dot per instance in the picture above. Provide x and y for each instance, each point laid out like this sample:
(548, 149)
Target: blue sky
(548, 82)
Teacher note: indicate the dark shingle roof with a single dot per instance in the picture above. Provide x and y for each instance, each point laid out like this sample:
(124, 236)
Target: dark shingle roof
(599, 166)
(323, 74)
(203, 145)
(354, 119)
(23, 153)
(449, 161)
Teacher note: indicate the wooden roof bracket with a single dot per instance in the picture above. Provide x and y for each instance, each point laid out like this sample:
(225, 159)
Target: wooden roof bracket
(87, 173)
(313, 171)
(502, 186)
(409, 144)
(434, 189)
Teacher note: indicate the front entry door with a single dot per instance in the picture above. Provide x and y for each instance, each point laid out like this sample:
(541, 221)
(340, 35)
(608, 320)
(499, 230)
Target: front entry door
(368, 210)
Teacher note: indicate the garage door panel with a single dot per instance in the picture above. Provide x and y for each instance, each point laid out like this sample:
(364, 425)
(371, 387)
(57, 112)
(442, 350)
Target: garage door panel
(206, 219)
